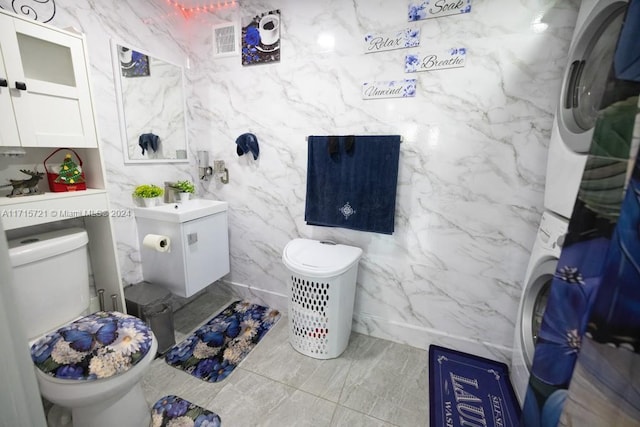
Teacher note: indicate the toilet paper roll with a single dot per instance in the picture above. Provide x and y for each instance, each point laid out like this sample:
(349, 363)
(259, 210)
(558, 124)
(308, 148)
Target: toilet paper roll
(157, 242)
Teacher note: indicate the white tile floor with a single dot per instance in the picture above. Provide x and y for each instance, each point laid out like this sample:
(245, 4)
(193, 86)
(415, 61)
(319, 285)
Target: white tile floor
(373, 383)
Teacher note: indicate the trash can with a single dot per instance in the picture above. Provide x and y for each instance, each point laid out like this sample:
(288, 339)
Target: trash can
(322, 287)
(150, 303)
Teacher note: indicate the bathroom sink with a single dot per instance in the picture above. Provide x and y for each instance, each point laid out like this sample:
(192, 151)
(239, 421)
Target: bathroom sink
(182, 212)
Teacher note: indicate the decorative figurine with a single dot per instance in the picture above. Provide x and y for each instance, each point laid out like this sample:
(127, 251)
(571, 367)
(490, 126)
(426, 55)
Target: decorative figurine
(19, 185)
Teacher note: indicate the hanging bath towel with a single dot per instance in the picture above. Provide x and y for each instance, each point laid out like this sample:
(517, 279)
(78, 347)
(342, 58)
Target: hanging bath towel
(351, 182)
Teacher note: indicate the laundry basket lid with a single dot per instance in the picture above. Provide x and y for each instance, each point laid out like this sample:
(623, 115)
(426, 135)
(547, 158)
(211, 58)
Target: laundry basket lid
(319, 258)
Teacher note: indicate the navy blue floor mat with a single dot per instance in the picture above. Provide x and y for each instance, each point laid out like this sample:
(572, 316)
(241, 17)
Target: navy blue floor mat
(468, 390)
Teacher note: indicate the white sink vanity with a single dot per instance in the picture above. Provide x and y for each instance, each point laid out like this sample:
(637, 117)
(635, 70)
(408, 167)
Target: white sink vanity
(198, 250)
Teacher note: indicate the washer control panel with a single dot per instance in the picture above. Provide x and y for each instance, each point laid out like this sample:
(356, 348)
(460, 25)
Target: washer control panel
(553, 230)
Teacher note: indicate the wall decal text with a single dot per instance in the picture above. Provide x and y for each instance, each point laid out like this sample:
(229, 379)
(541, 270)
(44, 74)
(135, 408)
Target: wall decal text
(409, 37)
(389, 89)
(452, 58)
(427, 9)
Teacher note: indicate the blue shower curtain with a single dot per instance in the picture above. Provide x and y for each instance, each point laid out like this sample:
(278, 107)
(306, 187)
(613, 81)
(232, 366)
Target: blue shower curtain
(586, 366)
(592, 317)
(605, 385)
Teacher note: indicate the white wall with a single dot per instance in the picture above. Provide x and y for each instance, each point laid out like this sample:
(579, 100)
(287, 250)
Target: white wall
(471, 166)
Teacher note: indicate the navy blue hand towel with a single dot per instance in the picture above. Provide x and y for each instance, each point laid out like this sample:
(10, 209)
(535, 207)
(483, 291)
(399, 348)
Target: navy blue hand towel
(248, 142)
(354, 184)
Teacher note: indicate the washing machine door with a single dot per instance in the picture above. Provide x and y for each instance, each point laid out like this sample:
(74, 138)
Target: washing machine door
(534, 303)
(590, 60)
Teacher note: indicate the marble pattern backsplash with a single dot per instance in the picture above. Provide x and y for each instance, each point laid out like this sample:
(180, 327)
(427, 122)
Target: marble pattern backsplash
(472, 163)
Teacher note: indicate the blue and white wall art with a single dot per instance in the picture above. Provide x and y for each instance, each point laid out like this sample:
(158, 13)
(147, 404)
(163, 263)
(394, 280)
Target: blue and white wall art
(261, 39)
(409, 37)
(389, 89)
(451, 58)
(419, 10)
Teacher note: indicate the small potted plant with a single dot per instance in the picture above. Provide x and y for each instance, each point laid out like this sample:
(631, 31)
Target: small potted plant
(185, 188)
(148, 193)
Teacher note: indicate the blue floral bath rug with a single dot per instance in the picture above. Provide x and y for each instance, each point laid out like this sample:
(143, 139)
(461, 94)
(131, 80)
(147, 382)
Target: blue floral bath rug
(217, 347)
(469, 390)
(175, 411)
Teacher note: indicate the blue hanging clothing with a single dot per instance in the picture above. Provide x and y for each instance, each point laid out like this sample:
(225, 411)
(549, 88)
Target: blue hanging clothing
(149, 141)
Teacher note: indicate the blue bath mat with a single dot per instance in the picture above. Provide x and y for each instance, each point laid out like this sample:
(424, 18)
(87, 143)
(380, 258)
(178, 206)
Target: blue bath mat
(468, 390)
(218, 346)
(173, 410)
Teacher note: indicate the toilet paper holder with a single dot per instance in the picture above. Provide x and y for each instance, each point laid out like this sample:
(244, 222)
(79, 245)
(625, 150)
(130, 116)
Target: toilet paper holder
(157, 242)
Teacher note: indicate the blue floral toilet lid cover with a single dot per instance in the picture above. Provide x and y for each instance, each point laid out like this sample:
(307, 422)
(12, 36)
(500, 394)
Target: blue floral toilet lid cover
(99, 345)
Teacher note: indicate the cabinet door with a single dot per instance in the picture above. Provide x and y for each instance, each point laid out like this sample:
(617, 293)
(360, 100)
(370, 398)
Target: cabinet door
(206, 250)
(8, 130)
(49, 85)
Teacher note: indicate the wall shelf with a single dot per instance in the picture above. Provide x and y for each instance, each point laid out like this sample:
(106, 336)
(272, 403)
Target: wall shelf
(26, 211)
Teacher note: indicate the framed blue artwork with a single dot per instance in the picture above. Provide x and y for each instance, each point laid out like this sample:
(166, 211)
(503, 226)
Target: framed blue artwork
(261, 39)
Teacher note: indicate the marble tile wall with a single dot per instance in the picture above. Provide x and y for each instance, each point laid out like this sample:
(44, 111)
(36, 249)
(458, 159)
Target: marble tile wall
(471, 166)
(472, 162)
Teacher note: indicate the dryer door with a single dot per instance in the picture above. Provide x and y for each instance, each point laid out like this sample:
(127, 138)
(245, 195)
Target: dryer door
(590, 60)
(534, 304)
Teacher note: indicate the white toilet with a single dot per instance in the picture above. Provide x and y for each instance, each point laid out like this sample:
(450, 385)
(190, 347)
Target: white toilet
(51, 287)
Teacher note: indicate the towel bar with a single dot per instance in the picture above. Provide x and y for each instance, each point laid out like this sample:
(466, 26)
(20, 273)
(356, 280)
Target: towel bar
(306, 138)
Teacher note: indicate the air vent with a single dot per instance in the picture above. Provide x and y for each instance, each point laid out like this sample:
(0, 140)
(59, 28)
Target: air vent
(225, 40)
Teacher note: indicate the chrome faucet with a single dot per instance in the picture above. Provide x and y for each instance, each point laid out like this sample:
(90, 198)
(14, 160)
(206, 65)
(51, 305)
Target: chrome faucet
(170, 192)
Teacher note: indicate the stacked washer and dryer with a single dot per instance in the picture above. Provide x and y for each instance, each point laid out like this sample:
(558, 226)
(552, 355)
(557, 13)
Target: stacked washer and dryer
(590, 56)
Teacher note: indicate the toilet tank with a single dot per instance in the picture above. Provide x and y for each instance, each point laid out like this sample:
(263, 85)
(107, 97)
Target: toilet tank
(50, 278)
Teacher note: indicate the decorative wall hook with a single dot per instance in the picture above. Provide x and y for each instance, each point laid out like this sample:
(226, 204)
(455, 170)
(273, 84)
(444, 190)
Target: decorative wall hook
(225, 176)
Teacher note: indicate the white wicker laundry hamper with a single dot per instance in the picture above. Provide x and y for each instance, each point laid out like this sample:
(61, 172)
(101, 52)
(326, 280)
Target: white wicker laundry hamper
(322, 287)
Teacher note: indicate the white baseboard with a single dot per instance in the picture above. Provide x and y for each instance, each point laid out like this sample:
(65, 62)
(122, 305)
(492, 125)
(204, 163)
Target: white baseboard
(421, 337)
(378, 327)
(261, 296)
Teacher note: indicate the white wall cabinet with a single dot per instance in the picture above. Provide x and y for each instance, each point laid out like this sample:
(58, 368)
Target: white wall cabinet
(53, 109)
(9, 129)
(45, 98)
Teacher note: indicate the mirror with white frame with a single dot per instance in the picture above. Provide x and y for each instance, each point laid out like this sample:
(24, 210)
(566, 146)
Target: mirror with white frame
(151, 100)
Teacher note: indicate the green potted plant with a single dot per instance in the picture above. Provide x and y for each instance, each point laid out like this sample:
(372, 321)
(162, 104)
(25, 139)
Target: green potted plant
(148, 193)
(185, 188)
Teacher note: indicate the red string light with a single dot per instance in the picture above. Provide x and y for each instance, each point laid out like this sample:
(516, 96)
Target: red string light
(203, 7)
(188, 12)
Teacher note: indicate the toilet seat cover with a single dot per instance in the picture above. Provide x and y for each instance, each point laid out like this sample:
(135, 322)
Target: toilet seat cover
(96, 346)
